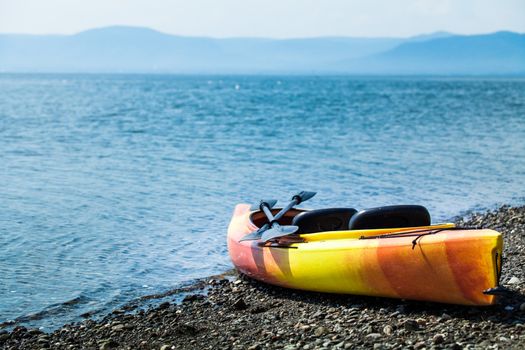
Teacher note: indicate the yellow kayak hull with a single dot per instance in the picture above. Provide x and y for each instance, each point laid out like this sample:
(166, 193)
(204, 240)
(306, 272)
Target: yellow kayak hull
(450, 266)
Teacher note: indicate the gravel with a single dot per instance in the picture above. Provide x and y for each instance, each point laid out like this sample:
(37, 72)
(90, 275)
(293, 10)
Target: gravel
(239, 313)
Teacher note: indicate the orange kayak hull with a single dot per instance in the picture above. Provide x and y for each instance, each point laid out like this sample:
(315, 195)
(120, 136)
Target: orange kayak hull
(449, 266)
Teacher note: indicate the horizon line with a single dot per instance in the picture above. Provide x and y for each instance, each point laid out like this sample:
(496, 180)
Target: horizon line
(262, 37)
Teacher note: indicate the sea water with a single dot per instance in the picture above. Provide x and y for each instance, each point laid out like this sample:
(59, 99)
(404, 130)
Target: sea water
(113, 187)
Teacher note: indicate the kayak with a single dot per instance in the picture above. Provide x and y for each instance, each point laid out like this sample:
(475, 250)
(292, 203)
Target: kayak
(439, 263)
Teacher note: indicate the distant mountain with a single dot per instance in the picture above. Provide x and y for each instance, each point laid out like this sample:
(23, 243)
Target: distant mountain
(497, 53)
(143, 50)
(131, 49)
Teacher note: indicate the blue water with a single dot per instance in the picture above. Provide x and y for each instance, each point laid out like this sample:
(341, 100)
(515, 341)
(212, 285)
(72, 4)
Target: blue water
(114, 187)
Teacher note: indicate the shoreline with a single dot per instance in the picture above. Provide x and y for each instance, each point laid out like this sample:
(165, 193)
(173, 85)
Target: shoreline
(233, 311)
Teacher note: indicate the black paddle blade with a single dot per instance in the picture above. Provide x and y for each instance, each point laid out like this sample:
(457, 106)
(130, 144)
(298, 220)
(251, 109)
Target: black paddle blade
(270, 202)
(304, 196)
(278, 231)
(255, 235)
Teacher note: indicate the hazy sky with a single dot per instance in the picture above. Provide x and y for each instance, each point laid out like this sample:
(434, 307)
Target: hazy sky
(267, 18)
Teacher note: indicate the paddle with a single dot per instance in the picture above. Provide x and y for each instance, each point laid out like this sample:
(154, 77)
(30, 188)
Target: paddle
(275, 230)
(297, 199)
(257, 234)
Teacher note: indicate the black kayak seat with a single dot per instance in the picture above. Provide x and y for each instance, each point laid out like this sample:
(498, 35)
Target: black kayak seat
(390, 217)
(319, 220)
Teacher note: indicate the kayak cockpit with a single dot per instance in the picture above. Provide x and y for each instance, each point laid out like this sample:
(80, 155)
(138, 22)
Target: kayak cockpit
(345, 219)
(258, 218)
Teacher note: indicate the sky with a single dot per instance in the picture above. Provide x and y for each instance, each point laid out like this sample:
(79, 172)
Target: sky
(266, 18)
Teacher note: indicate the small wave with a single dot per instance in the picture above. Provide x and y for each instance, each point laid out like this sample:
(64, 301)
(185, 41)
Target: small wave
(53, 310)
(195, 286)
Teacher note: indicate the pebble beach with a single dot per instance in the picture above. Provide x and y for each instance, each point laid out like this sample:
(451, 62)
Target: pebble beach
(232, 311)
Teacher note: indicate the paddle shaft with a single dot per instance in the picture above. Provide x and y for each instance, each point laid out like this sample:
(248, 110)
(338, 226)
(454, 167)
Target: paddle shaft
(298, 198)
(267, 211)
(273, 221)
(285, 209)
(280, 214)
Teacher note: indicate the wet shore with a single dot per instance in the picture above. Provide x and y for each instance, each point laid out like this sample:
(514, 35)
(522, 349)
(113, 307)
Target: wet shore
(234, 312)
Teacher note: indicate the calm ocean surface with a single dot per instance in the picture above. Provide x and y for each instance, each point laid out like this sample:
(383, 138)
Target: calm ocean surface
(115, 187)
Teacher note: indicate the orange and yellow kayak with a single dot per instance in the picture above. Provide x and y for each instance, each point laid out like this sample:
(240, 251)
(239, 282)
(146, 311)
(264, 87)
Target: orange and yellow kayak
(434, 263)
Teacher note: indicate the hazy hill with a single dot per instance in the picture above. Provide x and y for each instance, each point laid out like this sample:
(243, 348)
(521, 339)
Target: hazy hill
(497, 53)
(132, 49)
